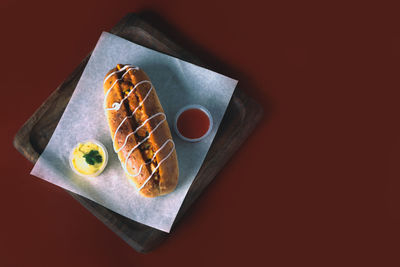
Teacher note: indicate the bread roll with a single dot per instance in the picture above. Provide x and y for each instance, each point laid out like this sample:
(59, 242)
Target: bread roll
(140, 132)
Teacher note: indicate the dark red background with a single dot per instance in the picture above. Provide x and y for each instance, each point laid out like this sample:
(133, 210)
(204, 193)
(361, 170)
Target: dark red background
(317, 183)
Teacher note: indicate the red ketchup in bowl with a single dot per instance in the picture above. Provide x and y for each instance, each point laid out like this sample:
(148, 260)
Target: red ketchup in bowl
(193, 123)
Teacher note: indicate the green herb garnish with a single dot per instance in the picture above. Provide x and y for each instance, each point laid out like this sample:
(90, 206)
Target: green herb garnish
(93, 157)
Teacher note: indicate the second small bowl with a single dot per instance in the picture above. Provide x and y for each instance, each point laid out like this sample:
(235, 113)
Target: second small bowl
(193, 123)
(105, 160)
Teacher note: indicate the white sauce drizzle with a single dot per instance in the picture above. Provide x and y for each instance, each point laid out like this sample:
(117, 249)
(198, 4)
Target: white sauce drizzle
(128, 117)
(158, 166)
(117, 106)
(135, 131)
(154, 156)
(138, 144)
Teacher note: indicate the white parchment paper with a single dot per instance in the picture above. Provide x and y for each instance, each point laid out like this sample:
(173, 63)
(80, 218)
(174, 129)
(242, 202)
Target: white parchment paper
(177, 83)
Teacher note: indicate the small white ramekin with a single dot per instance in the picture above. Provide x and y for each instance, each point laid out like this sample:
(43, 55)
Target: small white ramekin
(193, 106)
(102, 167)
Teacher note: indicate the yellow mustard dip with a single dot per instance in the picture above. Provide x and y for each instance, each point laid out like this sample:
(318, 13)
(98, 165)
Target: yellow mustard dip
(88, 158)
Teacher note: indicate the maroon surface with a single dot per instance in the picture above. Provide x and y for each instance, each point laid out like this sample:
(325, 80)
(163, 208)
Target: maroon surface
(317, 184)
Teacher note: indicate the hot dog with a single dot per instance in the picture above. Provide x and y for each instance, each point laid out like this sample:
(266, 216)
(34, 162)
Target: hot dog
(139, 130)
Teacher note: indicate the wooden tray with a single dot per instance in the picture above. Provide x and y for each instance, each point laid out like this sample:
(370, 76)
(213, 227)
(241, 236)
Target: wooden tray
(240, 119)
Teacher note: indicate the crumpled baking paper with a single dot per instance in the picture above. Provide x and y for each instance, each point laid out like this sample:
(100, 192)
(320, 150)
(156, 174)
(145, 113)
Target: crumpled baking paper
(177, 83)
